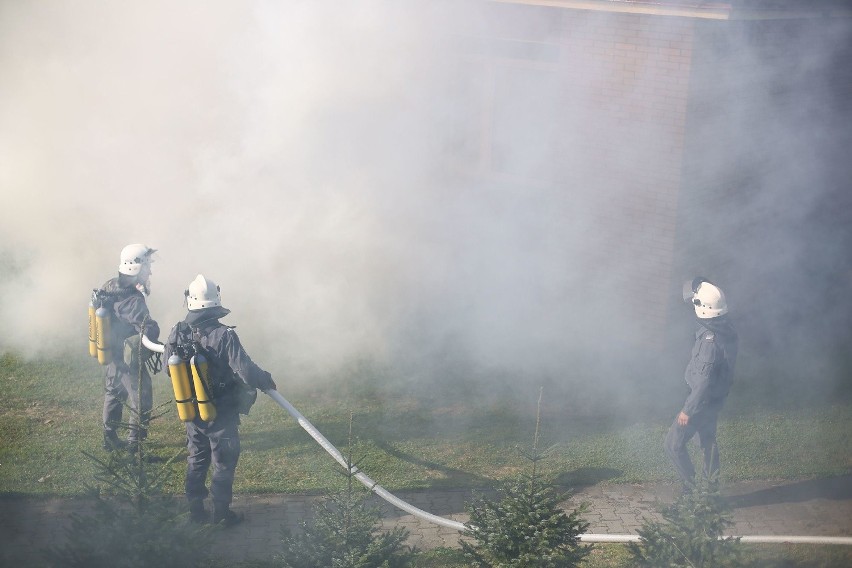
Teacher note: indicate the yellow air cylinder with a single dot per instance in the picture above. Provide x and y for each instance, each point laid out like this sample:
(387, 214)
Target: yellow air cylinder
(206, 409)
(93, 332)
(182, 388)
(102, 333)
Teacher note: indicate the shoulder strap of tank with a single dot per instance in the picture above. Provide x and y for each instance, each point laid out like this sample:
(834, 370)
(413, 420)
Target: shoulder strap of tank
(110, 293)
(189, 337)
(184, 345)
(219, 379)
(196, 338)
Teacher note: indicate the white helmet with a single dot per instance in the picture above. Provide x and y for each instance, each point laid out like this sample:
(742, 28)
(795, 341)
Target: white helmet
(202, 293)
(133, 258)
(707, 298)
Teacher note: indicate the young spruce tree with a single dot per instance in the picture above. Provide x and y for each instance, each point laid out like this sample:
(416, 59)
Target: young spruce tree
(526, 526)
(345, 532)
(691, 534)
(133, 523)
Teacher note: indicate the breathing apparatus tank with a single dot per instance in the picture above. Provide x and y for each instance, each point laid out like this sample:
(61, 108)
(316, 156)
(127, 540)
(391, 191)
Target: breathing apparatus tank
(206, 409)
(182, 388)
(93, 332)
(102, 325)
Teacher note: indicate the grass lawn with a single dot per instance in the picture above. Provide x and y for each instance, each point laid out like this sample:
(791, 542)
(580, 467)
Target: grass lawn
(447, 436)
(453, 436)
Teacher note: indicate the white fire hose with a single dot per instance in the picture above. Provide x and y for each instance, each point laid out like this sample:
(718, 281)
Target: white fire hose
(360, 475)
(449, 523)
(753, 539)
(152, 345)
(409, 508)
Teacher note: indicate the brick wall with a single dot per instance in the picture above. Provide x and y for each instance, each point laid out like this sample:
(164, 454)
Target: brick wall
(680, 146)
(604, 96)
(636, 85)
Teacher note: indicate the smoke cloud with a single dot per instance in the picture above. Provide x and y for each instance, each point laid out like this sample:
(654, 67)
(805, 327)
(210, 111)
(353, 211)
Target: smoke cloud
(322, 162)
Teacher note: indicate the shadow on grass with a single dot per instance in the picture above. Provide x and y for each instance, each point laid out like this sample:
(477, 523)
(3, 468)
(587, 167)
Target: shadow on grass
(584, 477)
(833, 488)
(269, 440)
(453, 477)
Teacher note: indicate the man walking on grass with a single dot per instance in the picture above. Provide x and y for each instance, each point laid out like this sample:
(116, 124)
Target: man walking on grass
(709, 375)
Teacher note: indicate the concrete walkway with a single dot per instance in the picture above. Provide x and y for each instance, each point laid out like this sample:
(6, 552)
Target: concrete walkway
(814, 507)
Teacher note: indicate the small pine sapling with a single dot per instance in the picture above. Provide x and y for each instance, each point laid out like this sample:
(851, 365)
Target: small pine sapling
(133, 523)
(691, 534)
(345, 532)
(526, 526)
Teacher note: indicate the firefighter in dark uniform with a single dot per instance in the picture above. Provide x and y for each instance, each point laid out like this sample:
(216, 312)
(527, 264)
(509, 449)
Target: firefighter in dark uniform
(125, 298)
(709, 375)
(233, 379)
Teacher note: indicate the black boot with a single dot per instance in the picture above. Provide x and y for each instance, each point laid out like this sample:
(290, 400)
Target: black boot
(197, 514)
(111, 441)
(224, 515)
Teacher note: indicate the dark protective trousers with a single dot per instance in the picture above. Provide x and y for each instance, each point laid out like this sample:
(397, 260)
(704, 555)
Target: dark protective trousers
(704, 424)
(218, 443)
(121, 385)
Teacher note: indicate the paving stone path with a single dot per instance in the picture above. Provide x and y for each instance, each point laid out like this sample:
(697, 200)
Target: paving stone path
(812, 507)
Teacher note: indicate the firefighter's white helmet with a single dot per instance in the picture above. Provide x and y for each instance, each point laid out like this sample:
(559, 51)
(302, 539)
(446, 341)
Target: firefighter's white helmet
(707, 298)
(134, 258)
(202, 293)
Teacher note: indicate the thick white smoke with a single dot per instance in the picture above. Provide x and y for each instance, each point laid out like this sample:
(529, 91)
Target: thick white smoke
(294, 152)
(309, 156)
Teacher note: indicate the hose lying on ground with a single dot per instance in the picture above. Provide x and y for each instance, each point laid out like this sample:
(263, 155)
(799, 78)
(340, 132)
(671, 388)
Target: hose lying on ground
(329, 447)
(360, 475)
(752, 539)
(420, 513)
(449, 523)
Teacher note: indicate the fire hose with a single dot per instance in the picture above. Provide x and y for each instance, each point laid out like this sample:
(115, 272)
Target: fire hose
(152, 345)
(360, 475)
(455, 525)
(335, 453)
(449, 523)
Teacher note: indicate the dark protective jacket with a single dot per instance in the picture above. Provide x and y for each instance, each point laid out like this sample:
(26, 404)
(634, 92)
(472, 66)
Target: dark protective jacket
(710, 372)
(129, 312)
(229, 366)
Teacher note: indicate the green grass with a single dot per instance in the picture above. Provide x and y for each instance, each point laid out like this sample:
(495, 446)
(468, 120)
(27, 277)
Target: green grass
(447, 437)
(454, 435)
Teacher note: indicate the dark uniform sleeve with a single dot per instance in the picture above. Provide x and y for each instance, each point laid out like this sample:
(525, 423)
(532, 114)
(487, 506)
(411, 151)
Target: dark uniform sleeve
(701, 373)
(242, 365)
(133, 311)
